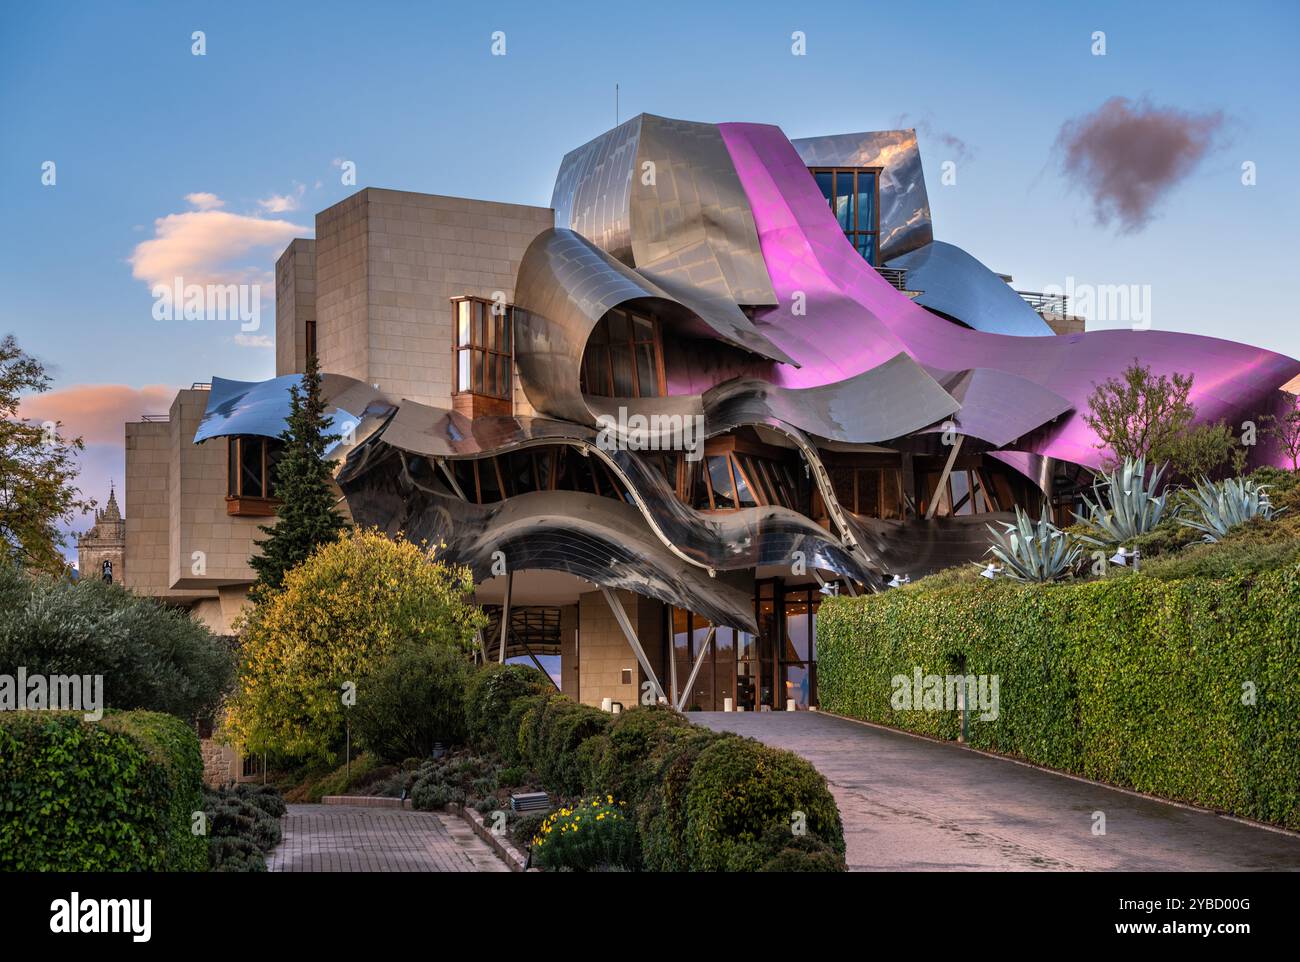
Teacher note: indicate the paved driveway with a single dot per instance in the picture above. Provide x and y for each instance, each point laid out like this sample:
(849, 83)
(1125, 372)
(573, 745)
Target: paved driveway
(910, 803)
(347, 838)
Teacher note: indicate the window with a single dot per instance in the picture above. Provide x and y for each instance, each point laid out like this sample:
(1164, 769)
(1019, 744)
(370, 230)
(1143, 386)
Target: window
(966, 493)
(309, 339)
(854, 197)
(624, 357)
(250, 476)
(871, 492)
(483, 331)
(724, 482)
(496, 477)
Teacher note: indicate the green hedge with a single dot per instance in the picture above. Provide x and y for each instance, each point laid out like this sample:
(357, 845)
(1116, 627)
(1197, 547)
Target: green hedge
(702, 801)
(1131, 680)
(115, 795)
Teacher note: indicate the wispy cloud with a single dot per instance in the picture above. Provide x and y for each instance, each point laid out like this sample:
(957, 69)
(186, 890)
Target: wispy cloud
(96, 412)
(956, 149)
(202, 246)
(1128, 156)
(282, 203)
(254, 340)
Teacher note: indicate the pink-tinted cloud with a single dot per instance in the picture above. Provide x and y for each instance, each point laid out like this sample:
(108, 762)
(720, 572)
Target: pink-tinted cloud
(96, 412)
(202, 246)
(1127, 156)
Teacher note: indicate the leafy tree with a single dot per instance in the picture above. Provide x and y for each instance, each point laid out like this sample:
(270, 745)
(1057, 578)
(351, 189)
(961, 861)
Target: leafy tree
(1149, 417)
(338, 617)
(306, 517)
(1285, 429)
(1139, 416)
(37, 469)
(151, 656)
(414, 698)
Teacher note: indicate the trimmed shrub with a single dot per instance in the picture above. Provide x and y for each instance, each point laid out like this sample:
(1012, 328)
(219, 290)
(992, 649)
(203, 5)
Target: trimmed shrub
(151, 657)
(661, 814)
(489, 695)
(696, 799)
(1188, 689)
(413, 699)
(114, 795)
(740, 791)
(633, 736)
(799, 853)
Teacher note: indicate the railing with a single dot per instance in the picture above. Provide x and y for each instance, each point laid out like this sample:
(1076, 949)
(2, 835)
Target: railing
(896, 276)
(1047, 303)
(201, 386)
(155, 418)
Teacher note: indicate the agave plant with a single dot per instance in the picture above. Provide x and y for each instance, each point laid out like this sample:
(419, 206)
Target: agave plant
(1127, 504)
(1034, 551)
(1225, 504)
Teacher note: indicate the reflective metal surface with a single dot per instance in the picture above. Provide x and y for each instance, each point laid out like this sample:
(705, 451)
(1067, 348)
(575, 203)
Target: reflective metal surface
(598, 539)
(355, 409)
(566, 284)
(904, 203)
(662, 196)
(956, 284)
(855, 320)
(737, 540)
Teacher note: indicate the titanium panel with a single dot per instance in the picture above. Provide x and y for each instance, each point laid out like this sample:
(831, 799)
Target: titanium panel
(598, 539)
(954, 283)
(855, 320)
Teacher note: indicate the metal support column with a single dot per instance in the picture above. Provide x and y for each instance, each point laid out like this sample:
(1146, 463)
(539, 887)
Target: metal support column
(943, 478)
(505, 615)
(620, 616)
(695, 668)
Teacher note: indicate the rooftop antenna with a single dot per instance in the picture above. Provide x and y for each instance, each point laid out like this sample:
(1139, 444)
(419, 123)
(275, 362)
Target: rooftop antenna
(615, 105)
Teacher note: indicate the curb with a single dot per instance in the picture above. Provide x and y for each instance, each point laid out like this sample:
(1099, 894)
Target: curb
(506, 850)
(366, 801)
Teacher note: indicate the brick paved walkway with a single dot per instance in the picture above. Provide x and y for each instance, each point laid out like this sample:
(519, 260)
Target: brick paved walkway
(347, 838)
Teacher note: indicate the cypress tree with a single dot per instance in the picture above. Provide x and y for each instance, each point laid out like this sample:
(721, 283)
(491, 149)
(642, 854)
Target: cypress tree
(306, 517)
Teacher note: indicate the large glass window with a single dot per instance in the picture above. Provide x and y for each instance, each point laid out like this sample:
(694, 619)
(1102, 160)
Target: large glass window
(733, 480)
(854, 197)
(483, 332)
(624, 357)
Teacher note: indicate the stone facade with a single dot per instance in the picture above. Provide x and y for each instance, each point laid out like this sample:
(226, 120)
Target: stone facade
(377, 283)
(387, 264)
(295, 305)
(101, 551)
(606, 665)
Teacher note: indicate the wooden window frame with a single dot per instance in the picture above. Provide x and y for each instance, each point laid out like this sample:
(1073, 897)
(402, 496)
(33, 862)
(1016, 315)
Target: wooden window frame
(857, 230)
(657, 341)
(243, 505)
(487, 352)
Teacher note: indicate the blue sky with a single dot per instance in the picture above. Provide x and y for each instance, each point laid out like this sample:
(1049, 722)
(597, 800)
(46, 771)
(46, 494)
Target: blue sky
(411, 93)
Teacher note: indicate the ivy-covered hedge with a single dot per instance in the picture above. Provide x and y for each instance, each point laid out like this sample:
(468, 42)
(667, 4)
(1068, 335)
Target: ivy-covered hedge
(702, 800)
(114, 795)
(1188, 689)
